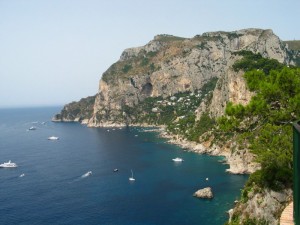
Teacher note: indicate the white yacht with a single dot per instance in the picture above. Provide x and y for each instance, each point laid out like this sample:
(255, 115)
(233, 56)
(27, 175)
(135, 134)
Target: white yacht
(53, 138)
(32, 128)
(8, 164)
(178, 159)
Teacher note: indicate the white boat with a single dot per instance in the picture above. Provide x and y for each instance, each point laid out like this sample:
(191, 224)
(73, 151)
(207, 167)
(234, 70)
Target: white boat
(8, 164)
(53, 138)
(86, 174)
(22, 175)
(32, 128)
(116, 170)
(178, 159)
(131, 178)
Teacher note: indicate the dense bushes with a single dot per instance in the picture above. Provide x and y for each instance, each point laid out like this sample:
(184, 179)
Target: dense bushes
(265, 121)
(251, 61)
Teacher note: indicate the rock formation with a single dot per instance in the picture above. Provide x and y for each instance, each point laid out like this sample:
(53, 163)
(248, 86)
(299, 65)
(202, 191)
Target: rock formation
(204, 193)
(168, 65)
(265, 205)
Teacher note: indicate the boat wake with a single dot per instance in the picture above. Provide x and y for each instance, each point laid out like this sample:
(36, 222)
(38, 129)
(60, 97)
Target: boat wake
(89, 173)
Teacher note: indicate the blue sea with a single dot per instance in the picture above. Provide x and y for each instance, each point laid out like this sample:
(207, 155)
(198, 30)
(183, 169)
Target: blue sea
(56, 188)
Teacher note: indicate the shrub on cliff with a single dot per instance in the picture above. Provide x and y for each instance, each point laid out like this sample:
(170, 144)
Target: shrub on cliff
(270, 112)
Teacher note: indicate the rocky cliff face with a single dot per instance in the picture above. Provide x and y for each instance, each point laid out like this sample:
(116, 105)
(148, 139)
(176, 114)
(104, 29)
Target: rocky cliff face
(168, 65)
(263, 205)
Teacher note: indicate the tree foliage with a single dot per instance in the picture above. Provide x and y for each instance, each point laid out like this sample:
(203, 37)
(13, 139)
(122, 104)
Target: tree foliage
(270, 112)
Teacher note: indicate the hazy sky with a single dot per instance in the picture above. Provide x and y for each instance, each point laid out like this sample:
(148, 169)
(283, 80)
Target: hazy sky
(54, 51)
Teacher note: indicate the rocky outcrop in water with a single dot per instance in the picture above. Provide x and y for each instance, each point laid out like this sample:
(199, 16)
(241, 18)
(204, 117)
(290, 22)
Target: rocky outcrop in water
(204, 193)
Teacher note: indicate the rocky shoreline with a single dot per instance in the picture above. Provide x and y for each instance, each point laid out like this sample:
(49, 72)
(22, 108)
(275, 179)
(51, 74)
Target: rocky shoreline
(241, 162)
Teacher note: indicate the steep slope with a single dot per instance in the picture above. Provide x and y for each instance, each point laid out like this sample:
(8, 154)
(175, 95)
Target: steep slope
(76, 111)
(294, 52)
(169, 65)
(293, 45)
(264, 127)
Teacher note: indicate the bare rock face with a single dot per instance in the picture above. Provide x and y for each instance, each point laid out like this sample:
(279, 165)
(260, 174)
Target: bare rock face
(204, 193)
(168, 65)
(242, 162)
(263, 205)
(153, 46)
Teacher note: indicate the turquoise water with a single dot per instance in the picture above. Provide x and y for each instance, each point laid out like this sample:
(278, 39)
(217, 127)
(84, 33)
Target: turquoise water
(54, 189)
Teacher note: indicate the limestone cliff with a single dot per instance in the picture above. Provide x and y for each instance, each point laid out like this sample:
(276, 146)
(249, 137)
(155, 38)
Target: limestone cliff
(262, 207)
(168, 65)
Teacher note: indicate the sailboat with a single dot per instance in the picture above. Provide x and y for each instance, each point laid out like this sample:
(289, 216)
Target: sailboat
(131, 178)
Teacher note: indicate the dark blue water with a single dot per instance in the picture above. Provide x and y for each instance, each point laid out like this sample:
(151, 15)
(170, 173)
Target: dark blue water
(53, 190)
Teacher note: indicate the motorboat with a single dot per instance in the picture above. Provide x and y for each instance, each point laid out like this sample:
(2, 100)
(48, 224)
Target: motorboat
(32, 128)
(53, 138)
(8, 164)
(178, 159)
(89, 173)
(116, 170)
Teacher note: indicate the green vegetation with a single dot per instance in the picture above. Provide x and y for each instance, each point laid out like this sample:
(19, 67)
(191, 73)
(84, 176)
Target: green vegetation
(176, 112)
(169, 38)
(126, 68)
(251, 61)
(233, 35)
(247, 221)
(200, 127)
(143, 62)
(265, 122)
(82, 109)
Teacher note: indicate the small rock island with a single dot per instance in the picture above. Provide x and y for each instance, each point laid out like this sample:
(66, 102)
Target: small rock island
(204, 193)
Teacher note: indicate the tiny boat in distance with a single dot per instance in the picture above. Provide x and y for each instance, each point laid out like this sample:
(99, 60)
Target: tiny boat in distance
(131, 178)
(53, 138)
(32, 128)
(8, 164)
(116, 170)
(178, 159)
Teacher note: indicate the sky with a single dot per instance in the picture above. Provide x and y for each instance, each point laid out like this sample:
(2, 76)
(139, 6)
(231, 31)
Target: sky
(53, 52)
